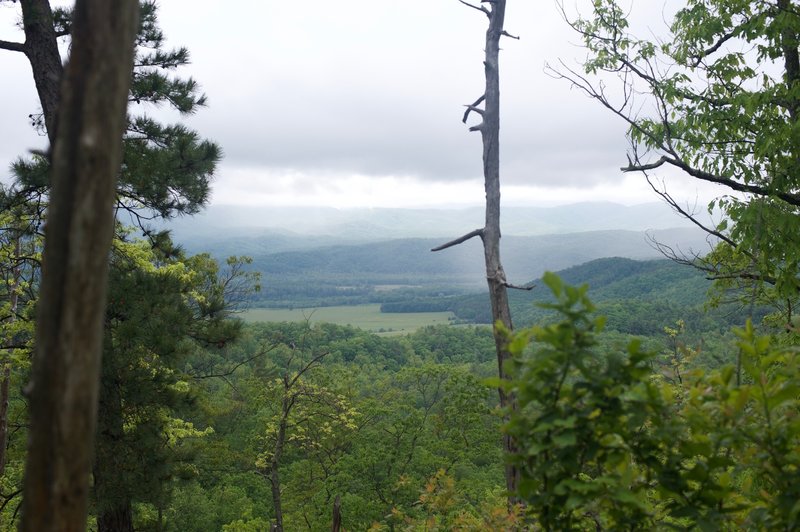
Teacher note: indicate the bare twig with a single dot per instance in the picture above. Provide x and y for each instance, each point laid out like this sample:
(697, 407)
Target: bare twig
(683, 212)
(261, 353)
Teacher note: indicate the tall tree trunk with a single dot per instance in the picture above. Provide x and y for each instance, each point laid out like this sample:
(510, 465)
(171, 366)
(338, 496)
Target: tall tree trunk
(274, 469)
(495, 275)
(41, 49)
(490, 233)
(66, 367)
(336, 524)
(16, 273)
(111, 493)
(119, 519)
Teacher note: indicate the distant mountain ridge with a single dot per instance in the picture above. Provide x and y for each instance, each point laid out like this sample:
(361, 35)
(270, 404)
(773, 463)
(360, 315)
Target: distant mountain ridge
(242, 230)
(290, 227)
(328, 255)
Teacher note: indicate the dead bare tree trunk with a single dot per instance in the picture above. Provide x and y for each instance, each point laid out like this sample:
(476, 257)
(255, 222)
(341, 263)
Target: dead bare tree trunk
(490, 233)
(66, 368)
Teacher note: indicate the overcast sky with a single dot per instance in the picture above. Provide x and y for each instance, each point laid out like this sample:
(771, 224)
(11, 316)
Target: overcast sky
(359, 103)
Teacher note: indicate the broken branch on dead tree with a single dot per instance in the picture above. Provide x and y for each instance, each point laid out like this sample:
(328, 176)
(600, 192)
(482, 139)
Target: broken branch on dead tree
(479, 8)
(459, 240)
(518, 287)
(474, 107)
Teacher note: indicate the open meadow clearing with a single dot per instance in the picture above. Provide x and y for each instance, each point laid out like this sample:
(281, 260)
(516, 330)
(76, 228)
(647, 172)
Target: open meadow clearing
(367, 317)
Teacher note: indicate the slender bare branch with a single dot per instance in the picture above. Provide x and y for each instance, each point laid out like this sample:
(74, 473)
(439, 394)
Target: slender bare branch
(506, 34)
(459, 240)
(474, 107)
(260, 353)
(678, 257)
(683, 212)
(479, 8)
(308, 366)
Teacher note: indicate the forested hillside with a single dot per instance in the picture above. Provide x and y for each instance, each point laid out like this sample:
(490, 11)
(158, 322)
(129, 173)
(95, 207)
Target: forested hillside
(332, 275)
(637, 297)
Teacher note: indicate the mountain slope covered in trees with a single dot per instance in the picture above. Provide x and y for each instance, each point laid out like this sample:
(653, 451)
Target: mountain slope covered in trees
(326, 275)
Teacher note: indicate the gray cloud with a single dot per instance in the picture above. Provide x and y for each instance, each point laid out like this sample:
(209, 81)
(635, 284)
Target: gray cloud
(376, 88)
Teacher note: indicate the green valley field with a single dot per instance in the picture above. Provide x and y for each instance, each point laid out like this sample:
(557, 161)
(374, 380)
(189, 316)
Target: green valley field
(366, 317)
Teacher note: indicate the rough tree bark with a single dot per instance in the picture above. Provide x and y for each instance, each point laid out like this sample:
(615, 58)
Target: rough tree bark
(86, 157)
(490, 232)
(41, 49)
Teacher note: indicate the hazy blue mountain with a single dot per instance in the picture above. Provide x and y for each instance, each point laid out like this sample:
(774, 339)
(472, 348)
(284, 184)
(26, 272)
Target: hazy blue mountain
(362, 223)
(410, 260)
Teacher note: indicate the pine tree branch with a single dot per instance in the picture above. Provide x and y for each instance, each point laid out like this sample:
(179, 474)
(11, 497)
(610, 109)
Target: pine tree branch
(12, 46)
